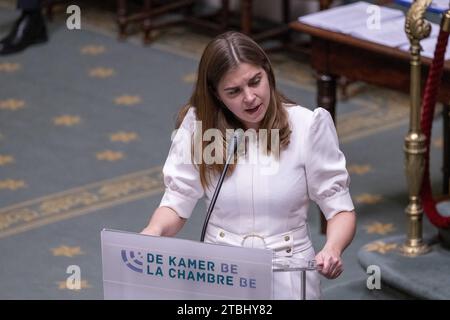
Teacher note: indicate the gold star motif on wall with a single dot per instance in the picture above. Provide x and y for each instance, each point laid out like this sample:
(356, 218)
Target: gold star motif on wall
(4, 160)
(127, 100)
(11, 104)
(12, 184)
(101, 72)
(379, 228)
(190, 77)
(9, 67)
(359, 169)
(66, 251)
(367, 198)
(123, 136)
(438, 142)
(66, 120)
(380, 247)
(109, 155)
(93, 50)
(84, 284)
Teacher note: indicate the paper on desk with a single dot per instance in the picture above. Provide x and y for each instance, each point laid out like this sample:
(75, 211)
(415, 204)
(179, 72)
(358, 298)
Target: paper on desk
(441, 4)
(391, 33)
(348, 18)
(428, 46)
(354, 20)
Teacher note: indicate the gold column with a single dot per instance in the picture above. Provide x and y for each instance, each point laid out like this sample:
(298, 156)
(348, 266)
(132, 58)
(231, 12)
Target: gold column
(445, 23)
(417, 28)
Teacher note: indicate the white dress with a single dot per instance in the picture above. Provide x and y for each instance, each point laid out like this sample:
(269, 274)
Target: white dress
(268, 199)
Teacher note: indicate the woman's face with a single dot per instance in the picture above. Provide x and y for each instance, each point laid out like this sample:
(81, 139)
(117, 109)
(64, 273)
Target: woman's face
(245, 91)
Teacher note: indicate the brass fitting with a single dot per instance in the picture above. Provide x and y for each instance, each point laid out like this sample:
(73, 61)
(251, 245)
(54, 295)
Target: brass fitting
(445, 23)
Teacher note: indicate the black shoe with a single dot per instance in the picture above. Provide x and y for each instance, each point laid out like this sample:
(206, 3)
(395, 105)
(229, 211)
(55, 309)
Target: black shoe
(29, 29)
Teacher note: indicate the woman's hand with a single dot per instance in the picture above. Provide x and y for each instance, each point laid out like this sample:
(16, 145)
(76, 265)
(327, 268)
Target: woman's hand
(164, 222)
(340, 231)
(329, 263)
(151, 231)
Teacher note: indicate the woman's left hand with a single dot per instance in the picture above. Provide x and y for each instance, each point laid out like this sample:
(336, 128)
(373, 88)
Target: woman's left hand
(329, 263)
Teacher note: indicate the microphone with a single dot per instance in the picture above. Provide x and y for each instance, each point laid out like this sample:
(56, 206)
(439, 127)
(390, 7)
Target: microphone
(231, 150)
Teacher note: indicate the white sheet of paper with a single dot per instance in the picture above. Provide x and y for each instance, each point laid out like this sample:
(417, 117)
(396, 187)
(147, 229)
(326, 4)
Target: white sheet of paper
(355, 19)
(391, 33)
(441, 4)
(349, 17)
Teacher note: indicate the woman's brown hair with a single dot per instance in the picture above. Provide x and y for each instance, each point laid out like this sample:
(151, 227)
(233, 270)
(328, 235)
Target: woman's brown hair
(222, 54)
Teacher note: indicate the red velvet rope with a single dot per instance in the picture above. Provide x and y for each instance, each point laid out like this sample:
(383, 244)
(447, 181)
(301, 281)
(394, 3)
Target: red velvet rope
(428, 105)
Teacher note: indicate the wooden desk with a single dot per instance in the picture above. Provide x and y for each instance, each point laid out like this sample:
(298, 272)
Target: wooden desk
(334, 54)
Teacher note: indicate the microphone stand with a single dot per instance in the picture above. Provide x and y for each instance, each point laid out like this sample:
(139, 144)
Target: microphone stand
(218, 187)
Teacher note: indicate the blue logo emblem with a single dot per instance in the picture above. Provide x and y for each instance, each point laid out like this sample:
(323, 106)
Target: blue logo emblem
(133, 262)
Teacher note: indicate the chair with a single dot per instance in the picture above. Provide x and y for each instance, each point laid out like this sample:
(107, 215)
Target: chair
(217, 22)
(148, 12)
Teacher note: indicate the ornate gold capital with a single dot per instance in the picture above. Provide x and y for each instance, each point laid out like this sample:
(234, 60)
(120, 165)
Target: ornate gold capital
(416, 27)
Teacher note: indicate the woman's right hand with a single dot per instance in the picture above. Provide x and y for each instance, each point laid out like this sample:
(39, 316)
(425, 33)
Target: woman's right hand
(150, 231)
(164, 222)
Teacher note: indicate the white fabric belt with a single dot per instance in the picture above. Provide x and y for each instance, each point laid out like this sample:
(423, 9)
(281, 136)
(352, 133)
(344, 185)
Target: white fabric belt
(283, 244)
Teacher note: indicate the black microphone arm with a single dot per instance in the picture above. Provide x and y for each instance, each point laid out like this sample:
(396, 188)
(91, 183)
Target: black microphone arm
(231, 151)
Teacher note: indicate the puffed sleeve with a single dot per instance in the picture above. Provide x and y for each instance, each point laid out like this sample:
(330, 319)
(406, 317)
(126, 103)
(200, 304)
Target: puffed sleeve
(181, 177)
(327, 177)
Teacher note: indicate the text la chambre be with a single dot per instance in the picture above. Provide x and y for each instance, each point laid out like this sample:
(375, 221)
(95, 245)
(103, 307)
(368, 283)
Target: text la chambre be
(196, 270)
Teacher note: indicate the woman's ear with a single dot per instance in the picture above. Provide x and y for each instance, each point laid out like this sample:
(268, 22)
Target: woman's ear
(213, 92)
(218, 98)
(219, 101)
(216, 94)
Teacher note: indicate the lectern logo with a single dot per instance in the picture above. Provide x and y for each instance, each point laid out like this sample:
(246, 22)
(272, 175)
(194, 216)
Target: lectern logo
(133, 261)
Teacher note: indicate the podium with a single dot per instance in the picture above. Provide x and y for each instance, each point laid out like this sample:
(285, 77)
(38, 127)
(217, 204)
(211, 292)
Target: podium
(137, 266)
(286, 264)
